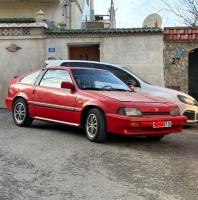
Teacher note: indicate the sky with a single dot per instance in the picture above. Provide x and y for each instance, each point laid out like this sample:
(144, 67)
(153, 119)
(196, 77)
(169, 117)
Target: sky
(131, 13)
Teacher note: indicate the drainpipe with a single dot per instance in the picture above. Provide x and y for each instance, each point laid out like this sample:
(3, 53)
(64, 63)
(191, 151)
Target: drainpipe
(67, 5)
(70, 15)
(92, 12)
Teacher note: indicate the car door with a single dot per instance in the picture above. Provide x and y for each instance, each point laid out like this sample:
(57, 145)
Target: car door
(53, 102)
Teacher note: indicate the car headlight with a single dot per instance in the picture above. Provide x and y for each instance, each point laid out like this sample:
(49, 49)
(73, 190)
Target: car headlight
(187, 100)
(175, 112)
(131, 112)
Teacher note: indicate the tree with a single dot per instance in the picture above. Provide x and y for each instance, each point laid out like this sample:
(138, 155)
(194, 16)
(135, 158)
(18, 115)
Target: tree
(185, 10)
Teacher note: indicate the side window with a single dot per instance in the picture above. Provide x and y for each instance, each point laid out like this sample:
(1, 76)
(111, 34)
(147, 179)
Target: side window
(77, 64)
(80, 64)
(121, 74)
(54, 77)
(30, 79)
(99, 66)
(65, 64)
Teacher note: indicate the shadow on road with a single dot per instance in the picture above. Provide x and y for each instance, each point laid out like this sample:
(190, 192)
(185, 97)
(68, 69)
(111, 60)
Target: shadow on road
(173, 142)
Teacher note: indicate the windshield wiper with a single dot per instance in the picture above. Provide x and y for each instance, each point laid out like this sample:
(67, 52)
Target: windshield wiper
(92, 89)
(107, 89)
(121, 90)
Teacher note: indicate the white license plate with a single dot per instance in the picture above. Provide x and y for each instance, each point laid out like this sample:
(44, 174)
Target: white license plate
(162, 124)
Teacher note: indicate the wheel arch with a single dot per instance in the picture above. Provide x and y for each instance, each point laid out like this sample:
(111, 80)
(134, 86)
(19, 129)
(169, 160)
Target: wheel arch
(19, 96)
(85, 112)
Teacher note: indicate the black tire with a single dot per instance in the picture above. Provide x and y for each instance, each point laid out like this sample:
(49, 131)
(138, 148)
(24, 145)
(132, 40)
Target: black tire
(20, 107)
(97, 131)
(155, 137)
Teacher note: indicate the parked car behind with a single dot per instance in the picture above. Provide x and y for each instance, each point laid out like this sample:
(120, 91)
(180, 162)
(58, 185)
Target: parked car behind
(187, 104)
(93, 99)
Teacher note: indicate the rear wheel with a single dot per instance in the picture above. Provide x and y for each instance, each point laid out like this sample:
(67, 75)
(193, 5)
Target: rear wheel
(95, 126)
(155, 137)
(20, 113)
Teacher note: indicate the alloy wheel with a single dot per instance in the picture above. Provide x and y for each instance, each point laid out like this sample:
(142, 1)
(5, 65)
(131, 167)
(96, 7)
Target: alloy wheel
(92, 126)
(19, 112)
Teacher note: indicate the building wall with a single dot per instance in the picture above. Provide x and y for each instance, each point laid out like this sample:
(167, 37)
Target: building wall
(29, 57)
(142, 53)
(54, 11)
(179, 42)
(176, 68)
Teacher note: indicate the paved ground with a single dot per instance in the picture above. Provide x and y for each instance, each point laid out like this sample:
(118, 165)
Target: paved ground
(53, 162)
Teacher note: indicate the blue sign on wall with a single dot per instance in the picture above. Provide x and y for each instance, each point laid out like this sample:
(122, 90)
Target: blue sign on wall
(52, 50)
(180, 53)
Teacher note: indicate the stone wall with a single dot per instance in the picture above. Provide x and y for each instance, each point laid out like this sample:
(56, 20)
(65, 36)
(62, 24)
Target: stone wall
(178, 43)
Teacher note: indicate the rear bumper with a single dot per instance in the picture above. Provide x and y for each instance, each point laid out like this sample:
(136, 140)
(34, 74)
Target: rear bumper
(123, 125)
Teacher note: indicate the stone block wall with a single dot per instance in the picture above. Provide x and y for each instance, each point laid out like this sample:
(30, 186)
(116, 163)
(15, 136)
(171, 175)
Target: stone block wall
(178, 43)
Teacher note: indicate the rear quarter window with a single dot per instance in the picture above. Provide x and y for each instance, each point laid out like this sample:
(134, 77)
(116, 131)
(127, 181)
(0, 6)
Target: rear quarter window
(30, 79)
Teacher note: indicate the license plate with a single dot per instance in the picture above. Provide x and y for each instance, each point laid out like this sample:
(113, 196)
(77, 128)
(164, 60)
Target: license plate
(162, 124)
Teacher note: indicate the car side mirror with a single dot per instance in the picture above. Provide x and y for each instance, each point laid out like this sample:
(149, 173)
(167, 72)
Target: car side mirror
(67, 85)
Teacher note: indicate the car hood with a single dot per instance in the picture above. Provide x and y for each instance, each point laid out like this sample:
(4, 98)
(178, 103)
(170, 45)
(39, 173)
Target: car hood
(129, 96)
(169, 91)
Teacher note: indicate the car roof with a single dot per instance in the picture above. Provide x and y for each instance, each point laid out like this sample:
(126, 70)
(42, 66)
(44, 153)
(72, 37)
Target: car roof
(82, 61)
(59, 62)
(70, 68)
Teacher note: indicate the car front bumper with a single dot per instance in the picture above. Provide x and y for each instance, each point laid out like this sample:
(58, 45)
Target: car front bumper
(191, 113)
(124, 125)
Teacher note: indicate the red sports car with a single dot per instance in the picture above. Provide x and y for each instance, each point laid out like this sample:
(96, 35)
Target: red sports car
(95, 100)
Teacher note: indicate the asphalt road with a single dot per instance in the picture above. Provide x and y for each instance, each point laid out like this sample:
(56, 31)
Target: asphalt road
(55, 162)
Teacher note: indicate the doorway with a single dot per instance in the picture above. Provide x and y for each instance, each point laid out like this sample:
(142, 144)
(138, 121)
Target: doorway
(193, 73)
(85, 52)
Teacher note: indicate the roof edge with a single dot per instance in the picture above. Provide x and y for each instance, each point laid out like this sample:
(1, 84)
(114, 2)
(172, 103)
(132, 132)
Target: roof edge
(105, 31)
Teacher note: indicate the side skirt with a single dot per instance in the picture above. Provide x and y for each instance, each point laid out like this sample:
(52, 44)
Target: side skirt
(56, 121)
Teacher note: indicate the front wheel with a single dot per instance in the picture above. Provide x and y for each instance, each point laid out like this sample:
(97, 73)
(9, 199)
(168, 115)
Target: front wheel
(95, 126)
(20, 113)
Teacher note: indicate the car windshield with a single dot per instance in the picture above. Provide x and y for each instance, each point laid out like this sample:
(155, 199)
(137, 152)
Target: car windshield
(98, 80)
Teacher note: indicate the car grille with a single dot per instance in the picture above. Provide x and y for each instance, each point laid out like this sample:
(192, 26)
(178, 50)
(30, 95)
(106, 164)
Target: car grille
(190, 115)
(156, 113)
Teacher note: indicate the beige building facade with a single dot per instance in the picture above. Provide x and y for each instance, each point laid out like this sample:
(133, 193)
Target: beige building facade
(60, 13)
(141, 50)
(25, 47)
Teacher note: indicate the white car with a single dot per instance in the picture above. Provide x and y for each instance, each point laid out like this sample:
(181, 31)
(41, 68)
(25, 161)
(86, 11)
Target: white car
(187, 104)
